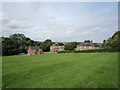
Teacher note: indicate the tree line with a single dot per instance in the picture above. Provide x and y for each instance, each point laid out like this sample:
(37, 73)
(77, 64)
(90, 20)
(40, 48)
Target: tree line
(112, 44)
(19, 43)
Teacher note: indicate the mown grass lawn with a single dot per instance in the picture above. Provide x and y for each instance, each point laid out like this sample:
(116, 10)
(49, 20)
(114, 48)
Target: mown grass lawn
(56, 70)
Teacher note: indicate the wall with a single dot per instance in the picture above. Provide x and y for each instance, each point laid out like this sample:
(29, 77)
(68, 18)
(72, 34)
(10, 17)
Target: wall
(86, 47)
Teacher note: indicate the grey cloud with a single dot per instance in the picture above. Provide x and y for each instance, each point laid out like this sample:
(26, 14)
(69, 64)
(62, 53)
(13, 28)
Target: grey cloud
(16, 24)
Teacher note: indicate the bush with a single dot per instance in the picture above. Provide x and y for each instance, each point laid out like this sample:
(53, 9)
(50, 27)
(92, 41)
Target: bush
(21, 53)
(66, 51)
(71, 45)
(90, 51)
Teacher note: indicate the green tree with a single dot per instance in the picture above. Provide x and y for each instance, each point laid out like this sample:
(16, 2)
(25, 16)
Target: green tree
(16, 43)
(7, 46)
(113, 42)
(60, 44)
(45, 46)
(71, 45)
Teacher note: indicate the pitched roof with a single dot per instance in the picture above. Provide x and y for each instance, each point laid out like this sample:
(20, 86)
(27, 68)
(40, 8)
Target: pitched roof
(86, 44)
(35, 49)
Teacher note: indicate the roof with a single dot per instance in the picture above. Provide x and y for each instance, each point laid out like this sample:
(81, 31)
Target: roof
(35, 49)
(86, 44)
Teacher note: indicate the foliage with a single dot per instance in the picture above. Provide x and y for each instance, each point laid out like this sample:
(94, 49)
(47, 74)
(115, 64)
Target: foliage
(113, 42)
(21, 53)
(45, 46)
(53, 70)
(7, 46)
(71, 45)
(88, 51)
(60, 44)
(66, 51)
(15, 44)
(18, 43)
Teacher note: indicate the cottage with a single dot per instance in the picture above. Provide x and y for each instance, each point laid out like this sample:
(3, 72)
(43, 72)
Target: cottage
(87, 45)
(55, 48)
(33, 50)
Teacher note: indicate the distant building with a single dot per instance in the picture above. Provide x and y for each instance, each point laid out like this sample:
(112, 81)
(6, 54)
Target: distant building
(33, 50)
(55, 48)
(87, 45)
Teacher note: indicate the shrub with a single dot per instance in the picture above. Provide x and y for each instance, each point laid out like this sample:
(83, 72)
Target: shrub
(21, 53)
(66, 51)
(90, 51)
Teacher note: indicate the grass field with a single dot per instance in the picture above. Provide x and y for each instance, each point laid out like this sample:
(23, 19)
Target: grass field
(68, 70)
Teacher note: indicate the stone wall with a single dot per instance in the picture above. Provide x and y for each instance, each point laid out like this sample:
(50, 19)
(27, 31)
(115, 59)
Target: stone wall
(86, 47)
(54, 49)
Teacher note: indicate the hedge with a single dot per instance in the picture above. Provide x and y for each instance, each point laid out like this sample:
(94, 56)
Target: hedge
(89, 51)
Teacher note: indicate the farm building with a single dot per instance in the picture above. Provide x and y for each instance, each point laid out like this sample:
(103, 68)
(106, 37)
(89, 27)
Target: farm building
(55, 48)
(86, 45)
(33, 50)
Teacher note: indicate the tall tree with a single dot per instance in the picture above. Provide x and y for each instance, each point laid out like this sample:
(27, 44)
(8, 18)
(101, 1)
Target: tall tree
(16, 43)
(46, 45)
(113, 42)
(71, 45)
(7, 46)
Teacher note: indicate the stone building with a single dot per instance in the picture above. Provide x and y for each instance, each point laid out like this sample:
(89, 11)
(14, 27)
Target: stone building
(55, 48)
(87, 45)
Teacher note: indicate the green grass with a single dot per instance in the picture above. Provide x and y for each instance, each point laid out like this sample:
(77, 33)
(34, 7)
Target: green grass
(68, 70)
(0, 72)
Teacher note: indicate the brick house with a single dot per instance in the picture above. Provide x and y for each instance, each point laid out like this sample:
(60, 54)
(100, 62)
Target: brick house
(55, 48)
(87, 45)
(33, 50)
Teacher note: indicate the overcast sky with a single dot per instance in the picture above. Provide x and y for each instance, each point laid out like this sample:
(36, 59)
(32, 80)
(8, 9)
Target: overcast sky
(60, 21)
